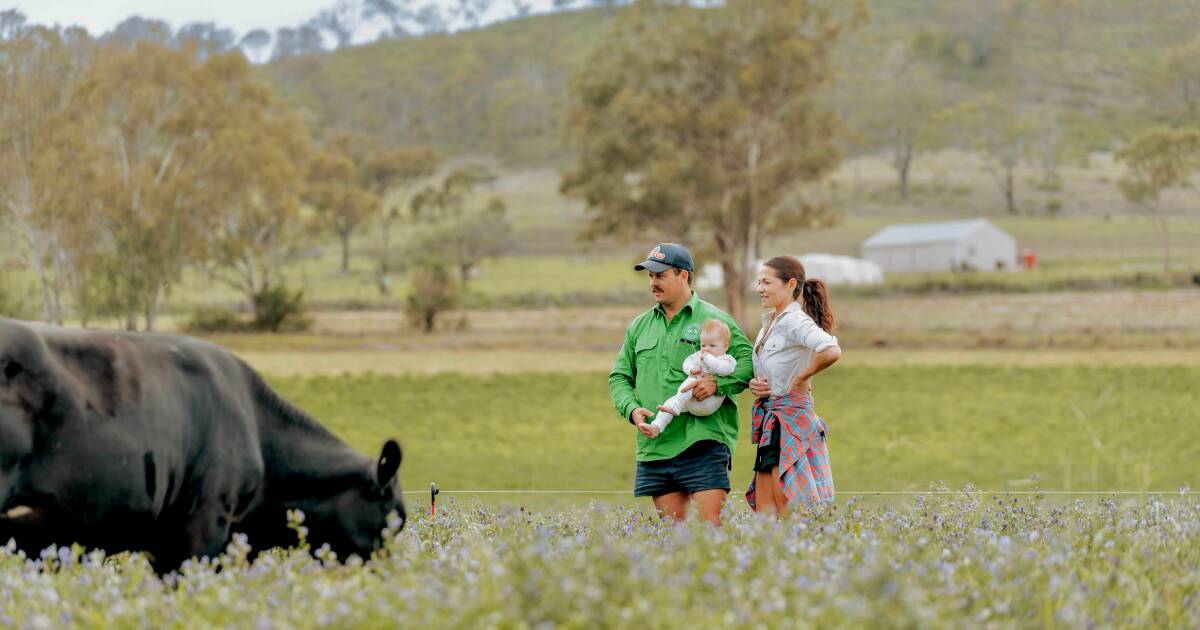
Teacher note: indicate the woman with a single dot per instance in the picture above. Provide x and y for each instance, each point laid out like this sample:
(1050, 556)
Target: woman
(792, 463)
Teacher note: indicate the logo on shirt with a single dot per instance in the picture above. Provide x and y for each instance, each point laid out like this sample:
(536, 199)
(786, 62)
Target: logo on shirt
(692, 332)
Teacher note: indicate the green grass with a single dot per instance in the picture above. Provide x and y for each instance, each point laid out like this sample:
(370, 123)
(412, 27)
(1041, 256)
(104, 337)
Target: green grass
(893, 428)
(505, 280)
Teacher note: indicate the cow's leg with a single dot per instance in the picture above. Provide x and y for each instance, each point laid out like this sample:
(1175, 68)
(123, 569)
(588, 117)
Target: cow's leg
(205, 533)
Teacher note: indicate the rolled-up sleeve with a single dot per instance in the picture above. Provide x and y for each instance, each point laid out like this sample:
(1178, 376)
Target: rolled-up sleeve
(621, 379)
(804, 331)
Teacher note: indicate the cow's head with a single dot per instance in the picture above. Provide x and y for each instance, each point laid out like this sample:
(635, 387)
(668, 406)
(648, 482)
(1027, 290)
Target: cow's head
(352, 520)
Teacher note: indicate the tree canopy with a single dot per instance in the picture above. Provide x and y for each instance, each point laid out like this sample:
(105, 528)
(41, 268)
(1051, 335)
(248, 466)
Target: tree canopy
(701, 122)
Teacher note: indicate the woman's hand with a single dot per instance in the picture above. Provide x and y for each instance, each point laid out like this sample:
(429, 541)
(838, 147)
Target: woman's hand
(759, 387)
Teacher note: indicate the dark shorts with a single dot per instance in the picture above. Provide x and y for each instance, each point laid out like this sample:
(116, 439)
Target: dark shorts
(702, 466)
(767, 456)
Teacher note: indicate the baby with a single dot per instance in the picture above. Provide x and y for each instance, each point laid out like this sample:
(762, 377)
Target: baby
(711, 359)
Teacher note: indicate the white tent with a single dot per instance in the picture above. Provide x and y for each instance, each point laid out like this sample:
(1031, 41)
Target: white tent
(828, 268)
(974, 244)
(841, 269)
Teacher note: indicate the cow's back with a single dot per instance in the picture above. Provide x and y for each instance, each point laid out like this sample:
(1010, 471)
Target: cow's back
(136, 426)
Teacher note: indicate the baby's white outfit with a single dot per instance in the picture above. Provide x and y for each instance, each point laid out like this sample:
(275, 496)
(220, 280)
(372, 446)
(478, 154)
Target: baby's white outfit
(682, 401)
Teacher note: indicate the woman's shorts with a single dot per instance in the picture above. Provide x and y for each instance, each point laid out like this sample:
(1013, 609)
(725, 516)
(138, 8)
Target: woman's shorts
(702, 466)
(767, 456)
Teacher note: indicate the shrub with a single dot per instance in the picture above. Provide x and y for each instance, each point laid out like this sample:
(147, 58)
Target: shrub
(433, 291)
(15, 301)
(213, 319)
(278, 309)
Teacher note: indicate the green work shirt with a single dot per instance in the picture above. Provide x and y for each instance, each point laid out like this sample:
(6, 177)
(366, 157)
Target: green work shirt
(649, 370)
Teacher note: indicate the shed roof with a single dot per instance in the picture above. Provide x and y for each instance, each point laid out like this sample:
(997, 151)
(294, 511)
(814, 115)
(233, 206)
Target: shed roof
(917, 233)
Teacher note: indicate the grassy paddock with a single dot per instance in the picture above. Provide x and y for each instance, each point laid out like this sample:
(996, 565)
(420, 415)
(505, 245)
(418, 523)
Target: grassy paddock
(1094, 327)
(893, 428)
(483, 362)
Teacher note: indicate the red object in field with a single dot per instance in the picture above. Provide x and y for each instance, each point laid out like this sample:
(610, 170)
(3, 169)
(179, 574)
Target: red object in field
(1030, 259)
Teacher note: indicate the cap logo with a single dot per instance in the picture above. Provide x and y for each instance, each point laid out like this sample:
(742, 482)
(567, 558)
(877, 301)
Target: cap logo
(657, 254)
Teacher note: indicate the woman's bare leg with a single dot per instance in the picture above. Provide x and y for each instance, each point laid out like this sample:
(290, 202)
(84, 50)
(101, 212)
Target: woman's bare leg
(764, 490)
(777, 492)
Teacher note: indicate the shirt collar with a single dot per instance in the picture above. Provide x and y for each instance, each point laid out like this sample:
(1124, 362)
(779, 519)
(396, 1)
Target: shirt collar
(691, 305)
(790, 308)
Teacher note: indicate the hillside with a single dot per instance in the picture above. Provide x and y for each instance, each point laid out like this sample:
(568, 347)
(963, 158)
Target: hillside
(500, 90)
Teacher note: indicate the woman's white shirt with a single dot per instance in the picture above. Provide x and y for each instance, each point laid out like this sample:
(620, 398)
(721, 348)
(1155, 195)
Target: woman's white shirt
(791, 340)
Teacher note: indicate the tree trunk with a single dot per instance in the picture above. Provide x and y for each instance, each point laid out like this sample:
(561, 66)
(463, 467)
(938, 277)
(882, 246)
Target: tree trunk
(45, 282)
(152, 310)
(1166, 242)
(735, 287)
(1010, 192)
(464, 276)
(130, 302)
(903, 164)
(56, 289)
(345, 252)
(384, 269)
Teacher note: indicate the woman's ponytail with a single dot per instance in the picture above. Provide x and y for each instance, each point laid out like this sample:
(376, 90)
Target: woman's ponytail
(816, 303)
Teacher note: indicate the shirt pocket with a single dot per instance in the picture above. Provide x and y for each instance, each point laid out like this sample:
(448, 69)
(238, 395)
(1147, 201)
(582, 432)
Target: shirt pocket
(774, 344)
(644, 352)
(680, 351)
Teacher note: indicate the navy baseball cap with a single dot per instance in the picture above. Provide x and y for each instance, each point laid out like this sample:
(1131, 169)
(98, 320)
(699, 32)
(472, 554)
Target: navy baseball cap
(666, 255)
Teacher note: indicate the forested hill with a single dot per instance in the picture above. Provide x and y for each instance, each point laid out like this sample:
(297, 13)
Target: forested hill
(1088, 71)
(497, 90)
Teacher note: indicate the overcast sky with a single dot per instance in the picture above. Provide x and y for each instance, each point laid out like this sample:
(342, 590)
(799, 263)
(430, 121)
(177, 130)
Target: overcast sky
(98, 16)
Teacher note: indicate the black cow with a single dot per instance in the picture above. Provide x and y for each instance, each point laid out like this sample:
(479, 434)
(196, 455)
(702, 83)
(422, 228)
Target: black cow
(167, 445)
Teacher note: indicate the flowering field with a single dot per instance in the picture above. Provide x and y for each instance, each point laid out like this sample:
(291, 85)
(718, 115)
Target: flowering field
(964, 559)
(959, 560)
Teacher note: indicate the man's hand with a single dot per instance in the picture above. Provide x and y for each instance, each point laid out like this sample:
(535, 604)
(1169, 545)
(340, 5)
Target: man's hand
(703, 387)
(639, 416)
(759, 387)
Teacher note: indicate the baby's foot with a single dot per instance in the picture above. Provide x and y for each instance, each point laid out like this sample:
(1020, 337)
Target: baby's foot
(655, 431)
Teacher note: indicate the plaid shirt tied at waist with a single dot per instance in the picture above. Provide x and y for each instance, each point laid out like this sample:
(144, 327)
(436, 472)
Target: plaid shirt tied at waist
(804, 470)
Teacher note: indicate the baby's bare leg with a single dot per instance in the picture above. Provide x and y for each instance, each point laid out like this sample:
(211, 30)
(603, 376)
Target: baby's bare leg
(676, 404)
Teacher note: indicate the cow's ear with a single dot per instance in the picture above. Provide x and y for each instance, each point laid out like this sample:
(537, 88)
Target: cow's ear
(389, 463)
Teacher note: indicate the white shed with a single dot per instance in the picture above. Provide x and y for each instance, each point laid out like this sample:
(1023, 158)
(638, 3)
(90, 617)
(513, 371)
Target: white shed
(972, 245)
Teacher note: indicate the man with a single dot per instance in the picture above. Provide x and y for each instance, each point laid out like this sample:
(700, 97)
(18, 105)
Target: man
(690, 460)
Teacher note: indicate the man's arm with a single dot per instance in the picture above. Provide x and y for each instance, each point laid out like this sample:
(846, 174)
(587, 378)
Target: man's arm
(622, 378)
(741, 350)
